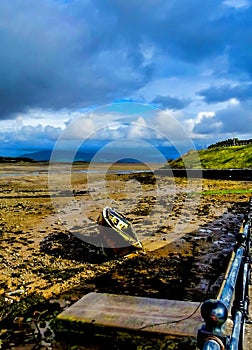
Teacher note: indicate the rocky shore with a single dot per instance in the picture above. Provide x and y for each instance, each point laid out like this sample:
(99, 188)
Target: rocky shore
(187, 228)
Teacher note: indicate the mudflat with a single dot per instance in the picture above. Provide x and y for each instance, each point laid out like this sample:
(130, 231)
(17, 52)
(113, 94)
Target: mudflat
(187, 227)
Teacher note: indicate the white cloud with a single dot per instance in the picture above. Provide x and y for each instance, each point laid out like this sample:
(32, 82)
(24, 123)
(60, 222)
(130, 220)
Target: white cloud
(233, 102)
(80, 129)
(140, 130)
(203, 115)
(237, 4)
(235, 118)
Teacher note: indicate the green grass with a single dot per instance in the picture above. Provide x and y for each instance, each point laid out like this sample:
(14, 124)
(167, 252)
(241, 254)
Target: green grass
(227, 191)
(235, 157)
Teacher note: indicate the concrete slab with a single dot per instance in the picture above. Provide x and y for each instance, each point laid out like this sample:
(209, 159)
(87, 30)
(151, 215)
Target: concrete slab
(100, 312)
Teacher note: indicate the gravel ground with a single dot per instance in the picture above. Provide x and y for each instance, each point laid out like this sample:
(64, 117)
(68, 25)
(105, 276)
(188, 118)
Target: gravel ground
(187, 229)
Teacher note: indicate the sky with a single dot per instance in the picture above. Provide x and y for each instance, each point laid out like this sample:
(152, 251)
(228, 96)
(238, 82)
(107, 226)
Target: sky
(155, 71)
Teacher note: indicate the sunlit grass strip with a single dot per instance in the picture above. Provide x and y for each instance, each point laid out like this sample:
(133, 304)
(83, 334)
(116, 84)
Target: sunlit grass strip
(228, 191)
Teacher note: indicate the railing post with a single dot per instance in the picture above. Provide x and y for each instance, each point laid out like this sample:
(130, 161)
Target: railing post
(215, 313)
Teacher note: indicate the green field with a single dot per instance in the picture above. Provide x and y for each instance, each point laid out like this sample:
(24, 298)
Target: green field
(233, 157)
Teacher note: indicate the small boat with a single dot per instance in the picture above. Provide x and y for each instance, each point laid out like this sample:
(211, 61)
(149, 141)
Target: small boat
(117, 233)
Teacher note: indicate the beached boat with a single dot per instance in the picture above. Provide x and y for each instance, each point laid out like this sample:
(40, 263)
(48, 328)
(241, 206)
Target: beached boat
(117, 233)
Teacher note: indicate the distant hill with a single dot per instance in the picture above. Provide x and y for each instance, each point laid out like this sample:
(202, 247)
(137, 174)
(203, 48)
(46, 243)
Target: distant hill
(39, 156)
(107, 155)
(66, 156)
(59, 156)
(232, 157)
(16, 160)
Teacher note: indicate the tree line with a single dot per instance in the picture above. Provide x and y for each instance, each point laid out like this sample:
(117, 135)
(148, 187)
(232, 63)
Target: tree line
(230, 142)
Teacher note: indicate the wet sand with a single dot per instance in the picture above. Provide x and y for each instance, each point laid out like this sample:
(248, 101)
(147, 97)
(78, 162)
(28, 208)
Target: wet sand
(187, 227)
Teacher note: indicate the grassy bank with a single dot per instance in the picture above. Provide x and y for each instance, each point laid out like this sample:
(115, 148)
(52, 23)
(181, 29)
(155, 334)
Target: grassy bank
(234, 157)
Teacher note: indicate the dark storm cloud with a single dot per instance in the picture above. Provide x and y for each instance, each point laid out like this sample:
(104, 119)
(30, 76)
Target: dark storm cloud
(70, 54)
(58, 56)
(168, 102)
(240, 49)
(184, 28)
(222, 93)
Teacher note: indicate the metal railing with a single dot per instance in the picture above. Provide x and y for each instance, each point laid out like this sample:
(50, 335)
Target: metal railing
(232, 301)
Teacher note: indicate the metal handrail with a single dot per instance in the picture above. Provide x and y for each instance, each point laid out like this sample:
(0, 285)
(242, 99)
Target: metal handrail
(235, 337)
(228, 291)
(232, 297)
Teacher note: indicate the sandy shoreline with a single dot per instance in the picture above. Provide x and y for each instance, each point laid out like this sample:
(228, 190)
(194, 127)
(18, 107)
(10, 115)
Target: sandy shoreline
(187, 235)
